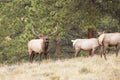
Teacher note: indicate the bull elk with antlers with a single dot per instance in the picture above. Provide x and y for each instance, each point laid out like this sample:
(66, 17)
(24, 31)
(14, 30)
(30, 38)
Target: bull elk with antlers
(39, 46)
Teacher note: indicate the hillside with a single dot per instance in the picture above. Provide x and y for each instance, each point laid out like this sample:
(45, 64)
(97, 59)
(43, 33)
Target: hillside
(81, 68)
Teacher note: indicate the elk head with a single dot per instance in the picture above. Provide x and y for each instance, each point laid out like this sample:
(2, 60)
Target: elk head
(100, 33)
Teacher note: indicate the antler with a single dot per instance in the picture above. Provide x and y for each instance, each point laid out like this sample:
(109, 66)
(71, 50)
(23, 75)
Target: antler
(33, 31)
(54, 32)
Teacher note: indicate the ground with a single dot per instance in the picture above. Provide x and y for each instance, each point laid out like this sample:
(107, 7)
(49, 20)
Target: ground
(80, 68)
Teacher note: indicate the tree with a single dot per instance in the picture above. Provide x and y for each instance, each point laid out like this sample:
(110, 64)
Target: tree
(71, 17)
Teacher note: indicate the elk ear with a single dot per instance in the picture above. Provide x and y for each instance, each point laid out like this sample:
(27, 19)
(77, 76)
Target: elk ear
(99, 33)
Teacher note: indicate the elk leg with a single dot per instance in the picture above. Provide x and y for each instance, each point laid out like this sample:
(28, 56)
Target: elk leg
(40, 54)
(77, 52)
(90, 52)
(93, 51)
(101, 51)
(117, 49)
(31, 56)
(104, 51)
(45, 55)
(96, 50)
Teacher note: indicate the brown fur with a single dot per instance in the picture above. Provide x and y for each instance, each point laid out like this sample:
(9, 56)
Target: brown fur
(45, 43)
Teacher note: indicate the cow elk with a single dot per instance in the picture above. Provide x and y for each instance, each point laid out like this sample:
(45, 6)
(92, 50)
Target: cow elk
(85, 44)
(109, 39)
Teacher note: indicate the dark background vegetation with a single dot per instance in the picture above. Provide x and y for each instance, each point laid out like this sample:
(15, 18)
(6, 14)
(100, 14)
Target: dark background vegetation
(71, 17)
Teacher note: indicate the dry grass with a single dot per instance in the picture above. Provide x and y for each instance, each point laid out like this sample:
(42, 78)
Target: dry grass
(81, 68)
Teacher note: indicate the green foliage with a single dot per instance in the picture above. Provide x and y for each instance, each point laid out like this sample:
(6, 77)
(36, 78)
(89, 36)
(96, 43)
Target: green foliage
(71, 17)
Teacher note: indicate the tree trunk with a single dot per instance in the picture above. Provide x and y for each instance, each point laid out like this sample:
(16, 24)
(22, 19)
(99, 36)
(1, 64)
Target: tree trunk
(58, 47)
(91, 34)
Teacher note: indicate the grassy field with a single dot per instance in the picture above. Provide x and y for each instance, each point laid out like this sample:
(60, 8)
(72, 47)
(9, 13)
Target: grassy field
(80, 68)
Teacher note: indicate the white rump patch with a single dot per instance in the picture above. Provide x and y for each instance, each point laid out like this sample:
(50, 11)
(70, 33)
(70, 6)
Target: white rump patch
(74, 41)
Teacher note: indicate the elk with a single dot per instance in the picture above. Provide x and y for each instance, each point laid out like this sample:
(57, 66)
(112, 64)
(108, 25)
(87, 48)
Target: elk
(85, 44)
(39, 46)
(109, 39)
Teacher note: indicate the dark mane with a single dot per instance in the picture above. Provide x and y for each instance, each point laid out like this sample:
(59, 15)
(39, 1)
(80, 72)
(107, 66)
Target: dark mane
(45, 43)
